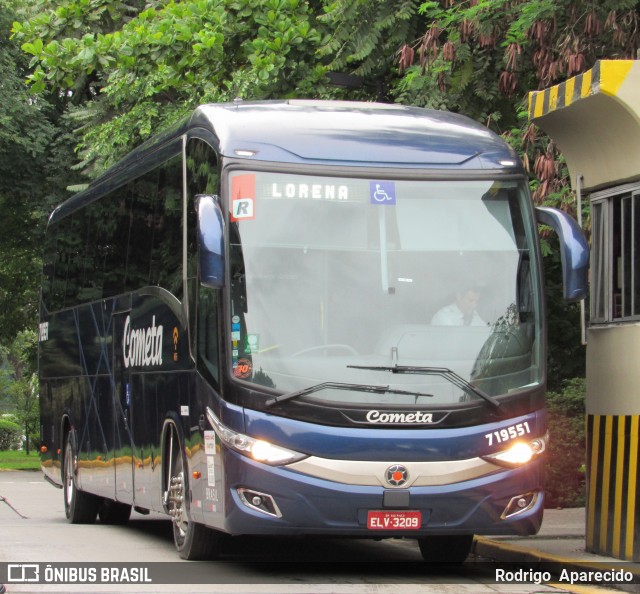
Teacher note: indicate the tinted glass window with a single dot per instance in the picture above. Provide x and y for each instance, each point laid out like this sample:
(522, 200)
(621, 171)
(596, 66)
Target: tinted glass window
(123, 241)
(202, 178)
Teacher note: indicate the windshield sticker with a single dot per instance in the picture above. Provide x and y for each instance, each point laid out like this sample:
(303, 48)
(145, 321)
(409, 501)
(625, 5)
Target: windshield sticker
(243, 369)
(243, 195)
(251, 343)
(382, 192)
(210, 443)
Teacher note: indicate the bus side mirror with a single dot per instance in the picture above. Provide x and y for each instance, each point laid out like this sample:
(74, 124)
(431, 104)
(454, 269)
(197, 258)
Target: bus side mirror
(210, 240)
(574, 251)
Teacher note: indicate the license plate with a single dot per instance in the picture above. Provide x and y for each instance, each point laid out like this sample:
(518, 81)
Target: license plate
(394, 520)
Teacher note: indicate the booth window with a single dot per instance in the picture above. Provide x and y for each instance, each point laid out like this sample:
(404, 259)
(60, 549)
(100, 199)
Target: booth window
(615, 263)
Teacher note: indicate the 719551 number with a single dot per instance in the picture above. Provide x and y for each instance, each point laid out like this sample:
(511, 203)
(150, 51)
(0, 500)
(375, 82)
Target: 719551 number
(508, 433)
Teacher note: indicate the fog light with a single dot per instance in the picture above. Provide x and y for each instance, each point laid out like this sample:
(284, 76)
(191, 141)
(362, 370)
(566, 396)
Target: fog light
(519, 504)
(259, 502)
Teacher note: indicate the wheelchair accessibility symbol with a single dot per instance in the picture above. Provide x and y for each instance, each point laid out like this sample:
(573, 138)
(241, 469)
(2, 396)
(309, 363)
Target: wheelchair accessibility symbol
(382, 192)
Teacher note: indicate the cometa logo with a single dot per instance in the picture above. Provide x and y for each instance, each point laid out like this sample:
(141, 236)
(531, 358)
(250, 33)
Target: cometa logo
(397, 475)
(375, 416)
(142, 347)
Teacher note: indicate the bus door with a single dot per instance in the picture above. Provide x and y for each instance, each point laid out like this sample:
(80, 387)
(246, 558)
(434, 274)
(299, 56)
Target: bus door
(123, 454)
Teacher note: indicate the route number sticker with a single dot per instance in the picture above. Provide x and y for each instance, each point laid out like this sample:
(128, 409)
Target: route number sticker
(508, 433)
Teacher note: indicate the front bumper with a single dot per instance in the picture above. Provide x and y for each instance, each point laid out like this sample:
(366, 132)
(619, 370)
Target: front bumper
(306, 504)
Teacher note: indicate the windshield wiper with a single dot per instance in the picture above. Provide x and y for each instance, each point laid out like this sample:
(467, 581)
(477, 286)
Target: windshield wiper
(342, 386)
(444, 372)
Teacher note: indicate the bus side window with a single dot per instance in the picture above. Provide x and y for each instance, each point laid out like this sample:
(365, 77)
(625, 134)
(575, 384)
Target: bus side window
(142, 203)
(204, 303)
(166, 251)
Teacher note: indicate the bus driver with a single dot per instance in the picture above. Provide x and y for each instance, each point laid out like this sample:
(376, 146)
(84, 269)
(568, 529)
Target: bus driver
(462, 312)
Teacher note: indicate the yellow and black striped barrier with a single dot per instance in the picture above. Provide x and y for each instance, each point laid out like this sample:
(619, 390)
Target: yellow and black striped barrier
(594, 119)
(606, 77)
(613, 494)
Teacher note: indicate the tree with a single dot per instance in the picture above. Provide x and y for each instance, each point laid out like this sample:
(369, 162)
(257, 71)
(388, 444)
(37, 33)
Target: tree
(142, 69)
(33, 149)
(24, 135)
(481, 57)
(364, 39)
(9, 434)
(19, 381)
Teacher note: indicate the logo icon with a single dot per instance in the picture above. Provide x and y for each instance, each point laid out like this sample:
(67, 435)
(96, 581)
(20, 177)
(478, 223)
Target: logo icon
(176, 336)
(382, 192)
(397, 475)
(242, 208)
(23, 572)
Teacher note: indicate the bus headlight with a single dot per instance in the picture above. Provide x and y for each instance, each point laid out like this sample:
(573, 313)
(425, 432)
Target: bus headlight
(256, 449)
(519, 453)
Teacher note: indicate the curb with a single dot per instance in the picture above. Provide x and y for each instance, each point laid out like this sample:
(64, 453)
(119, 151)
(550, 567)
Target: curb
(510, 553)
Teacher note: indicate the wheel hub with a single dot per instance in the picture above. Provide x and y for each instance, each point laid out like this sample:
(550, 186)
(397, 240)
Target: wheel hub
(176, 502)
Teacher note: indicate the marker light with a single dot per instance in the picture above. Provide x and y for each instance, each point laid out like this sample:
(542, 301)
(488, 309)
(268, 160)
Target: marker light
(519, 453)
(256, 449)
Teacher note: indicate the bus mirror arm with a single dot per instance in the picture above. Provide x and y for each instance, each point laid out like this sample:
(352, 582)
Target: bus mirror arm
(574, 251)
(210, 240)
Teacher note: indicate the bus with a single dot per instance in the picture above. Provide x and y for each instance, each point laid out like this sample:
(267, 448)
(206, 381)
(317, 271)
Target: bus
(303, 318)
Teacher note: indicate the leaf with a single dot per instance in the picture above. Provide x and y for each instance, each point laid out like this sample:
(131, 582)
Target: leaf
(34, 48)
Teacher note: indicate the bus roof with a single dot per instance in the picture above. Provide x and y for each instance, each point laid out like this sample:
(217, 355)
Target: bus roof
(352, 133)
(330, 133)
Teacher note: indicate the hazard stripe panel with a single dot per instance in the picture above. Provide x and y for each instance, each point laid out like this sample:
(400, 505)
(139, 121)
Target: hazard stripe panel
(613, 497)
(605, 77)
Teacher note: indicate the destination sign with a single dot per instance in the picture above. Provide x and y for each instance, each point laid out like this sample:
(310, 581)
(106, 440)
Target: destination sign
(306, 191)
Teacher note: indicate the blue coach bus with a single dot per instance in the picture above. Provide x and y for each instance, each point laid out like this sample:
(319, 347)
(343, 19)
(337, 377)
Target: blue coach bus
(299, 317)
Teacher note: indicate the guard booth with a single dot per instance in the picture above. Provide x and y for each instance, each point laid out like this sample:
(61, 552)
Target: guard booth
(594, 119)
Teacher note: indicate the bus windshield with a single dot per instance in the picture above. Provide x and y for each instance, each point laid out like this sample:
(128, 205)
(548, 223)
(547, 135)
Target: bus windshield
(337, 279)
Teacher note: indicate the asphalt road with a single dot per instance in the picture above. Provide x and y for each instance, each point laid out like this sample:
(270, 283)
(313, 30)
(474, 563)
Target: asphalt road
(34, 532)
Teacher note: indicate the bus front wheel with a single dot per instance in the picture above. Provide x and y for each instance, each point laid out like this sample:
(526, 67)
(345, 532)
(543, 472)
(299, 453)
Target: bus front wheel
(193, 541)
(450, 548)
(79, 507)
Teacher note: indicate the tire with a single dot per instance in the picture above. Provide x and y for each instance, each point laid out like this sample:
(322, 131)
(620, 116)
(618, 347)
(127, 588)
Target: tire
(114, 512)
(193, 541)
(79, 507)
(454, 548)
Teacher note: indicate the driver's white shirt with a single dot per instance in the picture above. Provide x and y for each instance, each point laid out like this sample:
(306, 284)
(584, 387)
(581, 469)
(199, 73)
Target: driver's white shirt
(452, 315)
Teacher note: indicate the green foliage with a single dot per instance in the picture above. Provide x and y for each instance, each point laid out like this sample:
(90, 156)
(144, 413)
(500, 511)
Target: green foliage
(24, 135)
(33, 155)
(9, 434)
(537, 42)
(19, 460)
(566, 355)
(145, 72)
(565, 462)
(19, 383)
(363, 37)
